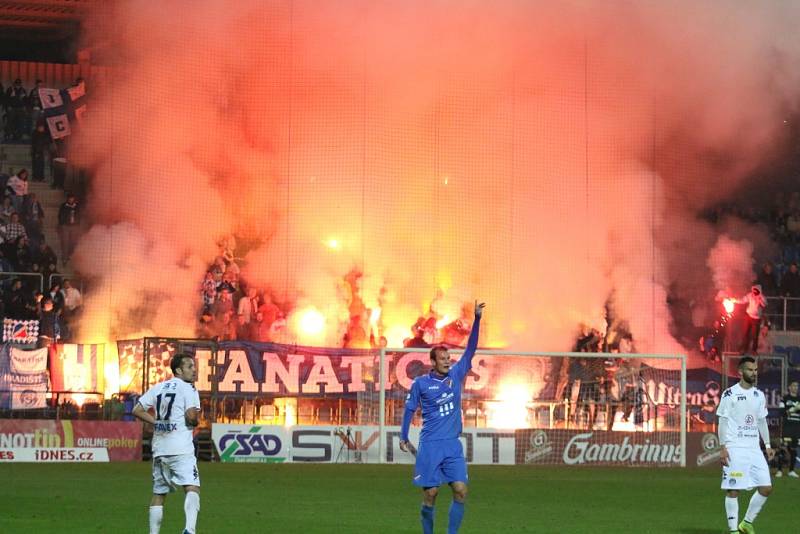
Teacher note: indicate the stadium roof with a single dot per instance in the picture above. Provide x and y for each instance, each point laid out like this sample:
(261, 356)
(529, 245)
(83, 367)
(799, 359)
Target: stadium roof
(42, 20)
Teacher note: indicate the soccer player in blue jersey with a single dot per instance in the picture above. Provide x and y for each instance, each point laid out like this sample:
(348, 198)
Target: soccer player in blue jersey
(440, 457)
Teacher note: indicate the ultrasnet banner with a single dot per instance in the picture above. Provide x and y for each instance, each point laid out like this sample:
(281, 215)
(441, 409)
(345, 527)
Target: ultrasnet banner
(357, 444)
(121, 440)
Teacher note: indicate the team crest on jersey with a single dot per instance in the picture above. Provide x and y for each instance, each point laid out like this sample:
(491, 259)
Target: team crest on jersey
(749, 419)
(732, 482)
(449, 382)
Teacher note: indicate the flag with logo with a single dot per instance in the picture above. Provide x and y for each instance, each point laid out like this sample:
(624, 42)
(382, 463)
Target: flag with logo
(20, 332)
(77, 367)
(63, 107)
(27, 379)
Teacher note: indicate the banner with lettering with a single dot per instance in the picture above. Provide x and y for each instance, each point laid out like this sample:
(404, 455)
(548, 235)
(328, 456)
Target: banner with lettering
(23, 378)
(255, 370)
(123, 440)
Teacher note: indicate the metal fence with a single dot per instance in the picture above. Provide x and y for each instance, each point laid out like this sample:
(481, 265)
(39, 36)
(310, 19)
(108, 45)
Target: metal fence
(784, 312)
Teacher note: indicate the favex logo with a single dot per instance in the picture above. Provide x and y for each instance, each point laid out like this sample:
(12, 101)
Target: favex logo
(250, 446)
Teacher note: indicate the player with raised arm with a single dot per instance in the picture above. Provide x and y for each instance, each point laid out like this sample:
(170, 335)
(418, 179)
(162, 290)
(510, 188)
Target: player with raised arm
(440, 457)
(177, 410)
(742, 415)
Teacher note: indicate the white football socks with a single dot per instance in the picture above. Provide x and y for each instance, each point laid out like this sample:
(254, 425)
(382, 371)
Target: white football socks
(732, 511)
(191, 505)
(756, 502)
(156, 513)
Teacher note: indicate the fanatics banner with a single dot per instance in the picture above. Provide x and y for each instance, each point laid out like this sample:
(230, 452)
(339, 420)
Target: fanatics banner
(252, 369)
(121, 440)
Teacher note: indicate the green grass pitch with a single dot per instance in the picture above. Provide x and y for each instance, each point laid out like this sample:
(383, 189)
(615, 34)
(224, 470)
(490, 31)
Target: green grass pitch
(303, 498)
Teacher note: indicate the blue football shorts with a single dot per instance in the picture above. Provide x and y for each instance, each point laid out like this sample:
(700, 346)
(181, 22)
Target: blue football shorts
(440, 462)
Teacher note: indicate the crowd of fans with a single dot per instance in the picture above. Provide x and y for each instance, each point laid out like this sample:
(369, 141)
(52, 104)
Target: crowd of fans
(53, 300)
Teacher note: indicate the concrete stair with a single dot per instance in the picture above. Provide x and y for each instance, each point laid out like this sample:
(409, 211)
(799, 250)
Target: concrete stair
(17, 156)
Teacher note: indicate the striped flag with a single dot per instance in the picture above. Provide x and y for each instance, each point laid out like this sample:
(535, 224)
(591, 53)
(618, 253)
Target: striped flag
(77, 367)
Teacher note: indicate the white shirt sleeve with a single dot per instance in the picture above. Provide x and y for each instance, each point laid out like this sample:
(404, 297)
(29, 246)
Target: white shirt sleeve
(191, 397)
(724, 402)
(146, 400)
(763, 412)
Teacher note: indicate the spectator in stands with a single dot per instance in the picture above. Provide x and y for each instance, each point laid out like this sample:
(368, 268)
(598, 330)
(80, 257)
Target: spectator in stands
(248, 305)
(232, 270)
(6, 210)
(269, 310)
(49, 327)
(591, 390)
(208, 290)
(790, 288)
(68, 226)
(756, 304)
(260, 327)
(206, 329)
(44, 255)
(223, 305)
(5, 265)
(712, 343)
(40, 147)
(17, 187)
(228, 327)
(56, 297)
(418, 339)
(33, 219)
(229, 281)
(218, 269)
(16, 102)
(35, 104)
(14, 229)
(72, 298)
(23, 255)
(768, 281)
(243, 328)
(793, 225)
(34, 306)
(48, 270)
(15, 300)
(765, 339)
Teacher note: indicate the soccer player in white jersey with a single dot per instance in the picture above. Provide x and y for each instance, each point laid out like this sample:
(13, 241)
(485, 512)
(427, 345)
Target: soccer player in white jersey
(176, 405)
(742, 419)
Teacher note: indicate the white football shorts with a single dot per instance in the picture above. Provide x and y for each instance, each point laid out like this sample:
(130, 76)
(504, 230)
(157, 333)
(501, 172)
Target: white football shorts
(169, 472)
(746, 469)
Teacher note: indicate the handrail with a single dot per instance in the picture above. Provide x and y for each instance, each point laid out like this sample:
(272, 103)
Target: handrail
(15, 274)
(786, 314)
